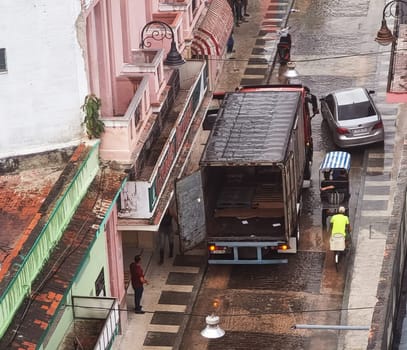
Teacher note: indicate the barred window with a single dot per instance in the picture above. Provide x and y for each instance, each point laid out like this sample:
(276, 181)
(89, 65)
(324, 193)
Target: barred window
(3, 65)
(137, 115)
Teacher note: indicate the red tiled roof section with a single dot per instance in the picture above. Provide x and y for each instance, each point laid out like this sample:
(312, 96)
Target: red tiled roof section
(21, 195)
(28, 346)
(33, 317)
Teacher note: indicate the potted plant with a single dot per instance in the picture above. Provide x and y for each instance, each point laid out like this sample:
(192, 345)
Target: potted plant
(91, 107)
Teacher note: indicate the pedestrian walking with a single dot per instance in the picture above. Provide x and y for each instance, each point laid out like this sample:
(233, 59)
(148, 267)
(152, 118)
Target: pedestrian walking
(230, 43)
(244, 8)
(166, 233)
(137, 282)
(237, 11)
(242, 11)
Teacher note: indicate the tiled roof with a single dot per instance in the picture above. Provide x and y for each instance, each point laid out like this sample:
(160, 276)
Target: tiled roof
(26, 196)
(34, 316)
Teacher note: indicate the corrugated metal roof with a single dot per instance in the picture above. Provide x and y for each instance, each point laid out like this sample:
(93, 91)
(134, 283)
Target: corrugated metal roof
(350, 96)
(252, 127)
(336, 160)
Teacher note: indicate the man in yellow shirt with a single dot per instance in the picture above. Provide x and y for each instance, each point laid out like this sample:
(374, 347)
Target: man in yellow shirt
(340, 223)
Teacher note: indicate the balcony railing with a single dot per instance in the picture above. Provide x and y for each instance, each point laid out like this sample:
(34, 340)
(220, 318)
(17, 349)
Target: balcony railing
(143, 61)
(176, 2)
(137, 115)
(121, 132)
(194, 3)
(149, 185)
(90, 308)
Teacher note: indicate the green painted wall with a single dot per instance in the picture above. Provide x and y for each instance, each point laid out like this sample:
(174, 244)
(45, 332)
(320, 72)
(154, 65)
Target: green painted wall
(83, 285)
(60, 330)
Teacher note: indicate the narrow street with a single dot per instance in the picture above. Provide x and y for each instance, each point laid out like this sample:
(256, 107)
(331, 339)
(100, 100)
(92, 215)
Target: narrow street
(258, 305)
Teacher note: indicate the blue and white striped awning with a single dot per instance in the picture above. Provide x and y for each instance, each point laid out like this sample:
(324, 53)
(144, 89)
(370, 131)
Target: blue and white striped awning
(336, 160)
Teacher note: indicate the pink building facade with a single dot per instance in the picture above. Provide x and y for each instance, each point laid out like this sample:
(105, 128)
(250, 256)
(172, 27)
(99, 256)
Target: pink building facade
(152, 112)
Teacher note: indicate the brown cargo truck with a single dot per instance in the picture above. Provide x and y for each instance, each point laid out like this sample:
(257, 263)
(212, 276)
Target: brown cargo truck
(245, 200)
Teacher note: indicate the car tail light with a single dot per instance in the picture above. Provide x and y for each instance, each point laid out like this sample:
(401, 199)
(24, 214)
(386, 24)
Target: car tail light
(378, 125)
(342, 131)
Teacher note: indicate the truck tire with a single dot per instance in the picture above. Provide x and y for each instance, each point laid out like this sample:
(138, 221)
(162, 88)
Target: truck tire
(307, 171)
(308, 164)
(298, 238)
(324, 217)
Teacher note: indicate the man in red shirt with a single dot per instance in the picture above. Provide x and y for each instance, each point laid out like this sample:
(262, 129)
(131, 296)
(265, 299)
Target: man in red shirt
(137, 282)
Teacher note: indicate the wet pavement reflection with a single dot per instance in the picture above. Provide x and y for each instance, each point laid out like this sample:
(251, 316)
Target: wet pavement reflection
(259, 304)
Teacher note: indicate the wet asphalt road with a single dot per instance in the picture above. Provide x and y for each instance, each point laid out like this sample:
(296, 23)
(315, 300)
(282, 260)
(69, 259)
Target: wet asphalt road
(258, 305)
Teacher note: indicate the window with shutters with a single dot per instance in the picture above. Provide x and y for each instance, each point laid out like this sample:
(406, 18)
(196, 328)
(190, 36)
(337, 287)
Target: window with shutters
(3, 65)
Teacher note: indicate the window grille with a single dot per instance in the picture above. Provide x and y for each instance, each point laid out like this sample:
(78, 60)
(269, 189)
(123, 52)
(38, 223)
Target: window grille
(137, 115)
(3, 65)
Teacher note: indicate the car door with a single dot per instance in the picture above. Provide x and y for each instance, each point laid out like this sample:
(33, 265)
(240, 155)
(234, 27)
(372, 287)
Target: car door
(330, 112)
(324, 107)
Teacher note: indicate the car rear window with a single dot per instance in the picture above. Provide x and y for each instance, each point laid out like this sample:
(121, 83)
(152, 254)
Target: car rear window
(355, 111)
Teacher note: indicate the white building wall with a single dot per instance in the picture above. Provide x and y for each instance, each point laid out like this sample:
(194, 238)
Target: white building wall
(45, 83)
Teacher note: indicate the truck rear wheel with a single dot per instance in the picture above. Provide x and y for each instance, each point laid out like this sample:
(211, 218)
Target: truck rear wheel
(324, 217)
(307, 171)
(298, 239)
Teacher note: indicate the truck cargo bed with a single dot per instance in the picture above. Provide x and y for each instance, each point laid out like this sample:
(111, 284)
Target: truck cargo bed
(244, 212)
(244, 202)
(246, 205)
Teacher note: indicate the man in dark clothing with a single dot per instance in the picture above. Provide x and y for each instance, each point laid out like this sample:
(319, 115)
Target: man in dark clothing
(137, 282)
(230, 43)
(244, 8)
(166, 233)
(237, 11)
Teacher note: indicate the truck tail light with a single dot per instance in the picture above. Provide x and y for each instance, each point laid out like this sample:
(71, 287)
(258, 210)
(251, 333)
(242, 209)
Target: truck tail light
(214, 249)
(283, 247)
(342, 131)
